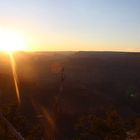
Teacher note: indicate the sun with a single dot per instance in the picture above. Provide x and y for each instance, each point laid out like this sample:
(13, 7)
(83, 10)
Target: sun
(11, 41)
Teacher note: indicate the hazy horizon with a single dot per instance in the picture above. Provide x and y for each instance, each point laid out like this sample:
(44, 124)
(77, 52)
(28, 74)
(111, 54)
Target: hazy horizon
(76, 25)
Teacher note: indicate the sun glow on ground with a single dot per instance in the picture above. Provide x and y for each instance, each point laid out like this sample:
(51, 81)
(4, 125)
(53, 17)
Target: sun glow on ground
(11, 41)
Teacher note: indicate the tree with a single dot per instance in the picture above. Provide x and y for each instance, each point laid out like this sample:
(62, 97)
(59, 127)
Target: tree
(110, 128)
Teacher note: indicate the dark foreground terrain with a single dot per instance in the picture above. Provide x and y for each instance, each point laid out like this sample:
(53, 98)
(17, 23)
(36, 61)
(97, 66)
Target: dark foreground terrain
(59, 88)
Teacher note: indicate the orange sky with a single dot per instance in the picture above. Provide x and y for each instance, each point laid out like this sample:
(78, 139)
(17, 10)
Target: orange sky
(74, 25)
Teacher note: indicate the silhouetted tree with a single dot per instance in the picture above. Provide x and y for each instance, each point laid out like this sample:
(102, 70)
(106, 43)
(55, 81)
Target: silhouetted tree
(110, 128)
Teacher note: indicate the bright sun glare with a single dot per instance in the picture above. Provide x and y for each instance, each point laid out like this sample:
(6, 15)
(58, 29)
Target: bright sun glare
(11, 40)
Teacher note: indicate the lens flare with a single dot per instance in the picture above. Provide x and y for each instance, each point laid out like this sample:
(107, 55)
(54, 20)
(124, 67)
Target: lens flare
(15, 77)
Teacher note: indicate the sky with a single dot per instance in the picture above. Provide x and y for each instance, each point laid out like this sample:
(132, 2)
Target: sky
(74, 25)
